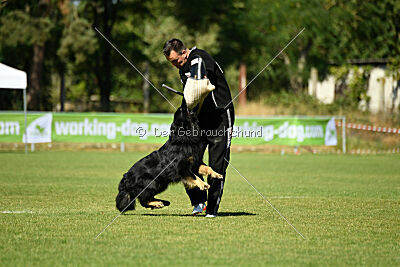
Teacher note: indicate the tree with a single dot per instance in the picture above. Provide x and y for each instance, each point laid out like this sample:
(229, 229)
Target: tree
(78, 44)
(29, 25)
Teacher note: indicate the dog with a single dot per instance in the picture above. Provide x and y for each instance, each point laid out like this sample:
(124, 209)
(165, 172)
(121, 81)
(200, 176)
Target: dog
(180, 159)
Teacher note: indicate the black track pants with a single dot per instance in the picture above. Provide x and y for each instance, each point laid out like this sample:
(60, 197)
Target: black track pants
(217, 131)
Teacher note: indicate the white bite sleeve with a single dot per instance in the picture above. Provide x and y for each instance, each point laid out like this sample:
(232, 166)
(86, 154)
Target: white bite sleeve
(195, 91)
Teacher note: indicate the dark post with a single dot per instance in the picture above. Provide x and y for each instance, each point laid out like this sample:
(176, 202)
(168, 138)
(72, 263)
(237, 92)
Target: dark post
(62, 90)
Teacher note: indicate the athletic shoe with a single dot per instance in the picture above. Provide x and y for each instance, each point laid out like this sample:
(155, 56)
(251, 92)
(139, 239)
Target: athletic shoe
(211, 216)
(199, 208)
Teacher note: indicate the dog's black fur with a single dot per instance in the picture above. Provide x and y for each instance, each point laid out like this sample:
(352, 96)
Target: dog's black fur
(181, 156)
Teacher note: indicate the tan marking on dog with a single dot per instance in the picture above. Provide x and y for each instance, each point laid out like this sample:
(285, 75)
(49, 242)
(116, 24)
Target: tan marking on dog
(190, 159)
(190, 183)
(207, 170)
(155, 204)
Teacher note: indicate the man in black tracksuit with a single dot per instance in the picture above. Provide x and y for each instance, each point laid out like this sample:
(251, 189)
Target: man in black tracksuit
(216, 118)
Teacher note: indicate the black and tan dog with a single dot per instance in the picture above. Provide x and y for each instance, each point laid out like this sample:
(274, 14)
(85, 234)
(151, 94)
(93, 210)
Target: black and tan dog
(180, 159)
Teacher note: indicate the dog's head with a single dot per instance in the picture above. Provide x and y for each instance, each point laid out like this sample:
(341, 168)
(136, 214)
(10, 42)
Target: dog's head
(185, 127)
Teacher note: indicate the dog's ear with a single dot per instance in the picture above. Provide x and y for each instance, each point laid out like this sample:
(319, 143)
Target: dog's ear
(185, 110)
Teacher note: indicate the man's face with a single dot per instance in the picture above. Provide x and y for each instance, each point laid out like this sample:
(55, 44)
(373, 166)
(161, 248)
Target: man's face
(176, 59)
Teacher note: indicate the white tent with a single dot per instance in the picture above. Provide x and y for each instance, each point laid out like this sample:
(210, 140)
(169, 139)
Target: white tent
(11, 78)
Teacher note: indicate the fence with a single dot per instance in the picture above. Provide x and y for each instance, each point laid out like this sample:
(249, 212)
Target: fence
(154, 129)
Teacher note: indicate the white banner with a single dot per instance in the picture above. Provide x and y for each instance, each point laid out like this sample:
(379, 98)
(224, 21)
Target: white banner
(330, 133)
(39, 131)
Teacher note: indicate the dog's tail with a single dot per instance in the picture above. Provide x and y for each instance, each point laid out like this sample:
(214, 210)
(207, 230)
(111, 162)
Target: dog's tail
(125, 200)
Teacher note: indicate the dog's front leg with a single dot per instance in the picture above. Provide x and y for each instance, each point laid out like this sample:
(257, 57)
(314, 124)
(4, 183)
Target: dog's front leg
(191, 180)
(207, 170)
(190, 183)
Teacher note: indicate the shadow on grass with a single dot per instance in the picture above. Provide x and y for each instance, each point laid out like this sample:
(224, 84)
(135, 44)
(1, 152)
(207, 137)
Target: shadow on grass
(220, 214)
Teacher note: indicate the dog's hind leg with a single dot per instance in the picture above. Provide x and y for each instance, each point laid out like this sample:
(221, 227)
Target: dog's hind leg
(158, 204)
(208, 171)
(155, 203)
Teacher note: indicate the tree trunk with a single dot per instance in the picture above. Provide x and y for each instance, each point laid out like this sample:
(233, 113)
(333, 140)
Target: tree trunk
(242, 85)
(34, 97)
(105, 82)
(292, 79)
(106, 69)
(62, 90)
(314, 81)
(341, 85)
(300, 68)
(295, 77)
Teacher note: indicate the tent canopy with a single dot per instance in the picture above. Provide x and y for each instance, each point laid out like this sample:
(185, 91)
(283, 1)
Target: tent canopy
(12, 78)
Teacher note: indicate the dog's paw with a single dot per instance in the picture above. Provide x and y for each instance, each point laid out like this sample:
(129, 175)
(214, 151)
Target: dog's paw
(156, 205)
(160, 205)
(204, 186)
(216, 175)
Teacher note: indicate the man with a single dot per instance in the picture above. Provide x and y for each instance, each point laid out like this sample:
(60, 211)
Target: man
(216, 118)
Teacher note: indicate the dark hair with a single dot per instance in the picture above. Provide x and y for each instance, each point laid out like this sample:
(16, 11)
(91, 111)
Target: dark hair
(173, 44)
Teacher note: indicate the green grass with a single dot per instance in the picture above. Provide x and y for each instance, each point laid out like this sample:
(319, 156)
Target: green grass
(347, 207)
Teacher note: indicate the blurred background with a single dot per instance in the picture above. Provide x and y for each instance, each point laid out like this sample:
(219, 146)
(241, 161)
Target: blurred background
(346, 62)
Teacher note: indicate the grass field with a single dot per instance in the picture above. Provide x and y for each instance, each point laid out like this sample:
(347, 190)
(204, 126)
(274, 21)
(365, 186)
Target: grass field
(347, 207)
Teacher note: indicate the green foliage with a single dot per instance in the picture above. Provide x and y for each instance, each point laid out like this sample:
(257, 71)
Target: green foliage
(78, 91)
(287, 103)
(354, 83)
(298, 104)
(233, 32)
(18, 27)
(78, 43)
(340, 72)
(358, 86)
